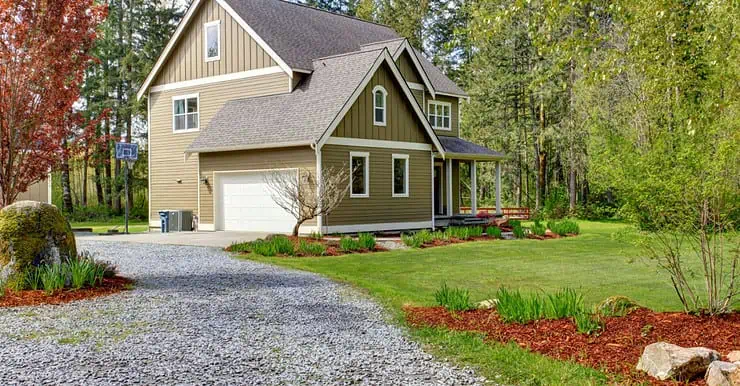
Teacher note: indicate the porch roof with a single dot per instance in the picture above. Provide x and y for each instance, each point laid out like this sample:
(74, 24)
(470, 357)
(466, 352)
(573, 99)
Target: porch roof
(457, 148)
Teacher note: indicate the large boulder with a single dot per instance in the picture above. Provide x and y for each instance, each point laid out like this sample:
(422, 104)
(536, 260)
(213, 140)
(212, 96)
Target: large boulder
(723, 374)
(32, 234)
(667, 361)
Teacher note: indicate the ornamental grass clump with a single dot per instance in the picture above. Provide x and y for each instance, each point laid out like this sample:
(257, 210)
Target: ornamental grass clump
(53, 277)
(564, 303)
(32, 279)
(513, 306)
(587, 323)
(460, 233)
(564, 228)
(538, 228)
(366, 240)
(519, 232)
(311, 249)
(475, 231)
(348, 244)
(494, 232)
(411, 241)
(453, 299)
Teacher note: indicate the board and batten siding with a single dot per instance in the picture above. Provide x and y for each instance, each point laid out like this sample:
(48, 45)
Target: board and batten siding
(173, 175)
(249, 160)
(408, 68)
(239, 52)
(454, 101)
(381, 206)
(401, 121)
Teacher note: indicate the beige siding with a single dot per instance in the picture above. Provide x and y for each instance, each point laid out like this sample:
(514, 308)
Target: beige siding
(173, 176)
(381, 207)
(239, 52)
(455, 113)
(301, 157)
(408, 69)
(419, 96)
(401, 121)
(36, 192)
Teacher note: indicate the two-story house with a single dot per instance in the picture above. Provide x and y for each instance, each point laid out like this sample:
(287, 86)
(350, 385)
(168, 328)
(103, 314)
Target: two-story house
(248, 86)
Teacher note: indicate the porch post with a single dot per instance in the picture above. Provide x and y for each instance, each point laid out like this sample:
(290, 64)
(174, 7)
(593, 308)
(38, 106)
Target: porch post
(498, 188)
(448, 173)
(473, 188)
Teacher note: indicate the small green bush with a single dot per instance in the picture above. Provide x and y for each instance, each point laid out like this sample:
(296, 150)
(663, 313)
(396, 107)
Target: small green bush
(411, 241)
(494, 232)
(453, 299)
(241, 247)
(316, 235)
(283, 245)
(565, 227)
(366, 240)
(564, 303)
(439, 235)
(518, 231)
(514, 307)
(273, 246)
(588, 323)
(312, 249)
(262, 247)
(514, 223)
(32, 279)
(616, 306)
(538, 228)
(475, 231)
(348, 244)
(82, 272)
(53, 277)
(460, 233)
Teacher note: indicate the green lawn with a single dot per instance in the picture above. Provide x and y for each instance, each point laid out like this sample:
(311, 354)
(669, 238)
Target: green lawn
(134, 226)
(596, 263)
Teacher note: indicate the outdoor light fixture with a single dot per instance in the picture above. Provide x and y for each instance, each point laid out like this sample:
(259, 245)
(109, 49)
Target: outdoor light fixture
(204, 180)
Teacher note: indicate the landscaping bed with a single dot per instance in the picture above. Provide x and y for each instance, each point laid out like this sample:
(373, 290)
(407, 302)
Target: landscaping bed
(615, 349)
(316, 245)
(107, 286)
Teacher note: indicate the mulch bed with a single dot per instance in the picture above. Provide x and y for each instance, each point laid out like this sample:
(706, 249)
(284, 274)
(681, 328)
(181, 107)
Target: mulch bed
(34, 298)
(616, 350)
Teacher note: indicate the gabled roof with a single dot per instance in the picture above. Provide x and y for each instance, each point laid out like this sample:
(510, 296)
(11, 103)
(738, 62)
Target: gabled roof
(306, 116)
(461, 149)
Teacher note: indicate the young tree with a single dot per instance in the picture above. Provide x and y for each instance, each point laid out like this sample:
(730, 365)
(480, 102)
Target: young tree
(304, 196)
(43, 54)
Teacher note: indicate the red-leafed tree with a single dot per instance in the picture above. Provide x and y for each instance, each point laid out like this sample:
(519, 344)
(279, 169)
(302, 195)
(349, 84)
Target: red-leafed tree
(44, 47)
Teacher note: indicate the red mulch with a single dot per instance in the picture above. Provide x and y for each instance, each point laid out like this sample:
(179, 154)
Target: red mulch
(34, 298)
(616, 350)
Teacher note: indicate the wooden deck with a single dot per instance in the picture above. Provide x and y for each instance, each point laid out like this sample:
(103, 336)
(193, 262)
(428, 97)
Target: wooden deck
(512, 213)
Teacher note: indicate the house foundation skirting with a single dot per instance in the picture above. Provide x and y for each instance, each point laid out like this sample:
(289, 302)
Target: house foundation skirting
(397, 226)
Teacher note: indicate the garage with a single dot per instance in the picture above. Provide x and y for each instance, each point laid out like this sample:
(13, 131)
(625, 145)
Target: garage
(245, 204)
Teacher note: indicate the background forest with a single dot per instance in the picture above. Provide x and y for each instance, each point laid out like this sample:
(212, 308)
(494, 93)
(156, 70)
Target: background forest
(607, 108)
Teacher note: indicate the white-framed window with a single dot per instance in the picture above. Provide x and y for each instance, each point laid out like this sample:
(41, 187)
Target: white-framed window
(440, 115)
(380, 102)
(212, 38)
(400, 175)
(359, 177)
(185, 115)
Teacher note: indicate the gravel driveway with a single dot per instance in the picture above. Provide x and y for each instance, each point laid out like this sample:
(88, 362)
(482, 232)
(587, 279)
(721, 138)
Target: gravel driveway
(198, 316)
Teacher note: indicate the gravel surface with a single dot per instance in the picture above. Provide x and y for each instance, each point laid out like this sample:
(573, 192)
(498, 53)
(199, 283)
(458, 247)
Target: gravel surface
(198, 316)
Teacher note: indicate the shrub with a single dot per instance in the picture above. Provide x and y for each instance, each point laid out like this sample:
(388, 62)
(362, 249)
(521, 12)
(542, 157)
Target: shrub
(262, 247)
(557, 203)
(494, 232)
(439, 235)
(283, 245)
(518, 231)
(514, 307)
(348, 244)
(32, 279)
(316, 235)
(616, 306)
(82, 272)
(453, 299)
(587, 323)
(411, 241)
(460, 233)
(366, 241)
(241, 247)
(53, 277)
(312, 249)
(564, 303)
(565, 227)
(476, 231)
(538, 228)
(514, 223)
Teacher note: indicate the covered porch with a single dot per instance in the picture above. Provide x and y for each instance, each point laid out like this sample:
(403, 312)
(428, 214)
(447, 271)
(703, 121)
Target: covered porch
(461, 157)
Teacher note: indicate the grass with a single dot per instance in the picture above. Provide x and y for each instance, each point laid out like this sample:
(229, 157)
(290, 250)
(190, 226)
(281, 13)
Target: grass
(596, 264)
(134, 226)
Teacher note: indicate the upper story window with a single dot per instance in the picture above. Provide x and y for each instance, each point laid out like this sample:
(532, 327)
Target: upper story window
(359, 177)
(213, 40)
(440, 115)
(380, 99)
(185, 116)
(400, 175)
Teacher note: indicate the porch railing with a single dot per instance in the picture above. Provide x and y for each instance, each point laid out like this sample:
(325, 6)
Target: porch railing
(512, 213)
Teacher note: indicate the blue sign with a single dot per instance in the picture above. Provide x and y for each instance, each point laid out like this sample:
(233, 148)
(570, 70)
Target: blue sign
(127, 151)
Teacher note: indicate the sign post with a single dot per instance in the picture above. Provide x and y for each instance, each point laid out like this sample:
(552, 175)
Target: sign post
(128, 152)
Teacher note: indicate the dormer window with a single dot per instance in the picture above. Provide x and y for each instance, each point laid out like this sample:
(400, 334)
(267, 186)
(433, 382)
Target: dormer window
(380, 97)
(213, 40)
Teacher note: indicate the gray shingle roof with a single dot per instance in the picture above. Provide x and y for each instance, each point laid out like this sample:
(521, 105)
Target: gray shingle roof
(300, 34)
(299, 117)
(439, 80)
(460, 146)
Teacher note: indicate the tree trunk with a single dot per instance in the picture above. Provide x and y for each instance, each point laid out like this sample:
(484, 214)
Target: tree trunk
(297, 227)
(108, 171)
(572, 187)
(85, 163)
(66, 189)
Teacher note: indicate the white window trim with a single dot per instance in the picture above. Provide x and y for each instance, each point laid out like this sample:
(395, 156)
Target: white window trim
(405, 157)
(385, 106)
(205, 40)
(366, 172)
(180, 97)
(438, 103)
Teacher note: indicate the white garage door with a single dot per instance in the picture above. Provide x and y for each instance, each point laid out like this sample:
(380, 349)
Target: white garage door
(245, 204)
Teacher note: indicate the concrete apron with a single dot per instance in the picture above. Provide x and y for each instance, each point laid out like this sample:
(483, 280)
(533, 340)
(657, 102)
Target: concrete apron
(200, 239)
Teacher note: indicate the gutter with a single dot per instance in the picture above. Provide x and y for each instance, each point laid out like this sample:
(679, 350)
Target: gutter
(250, 147)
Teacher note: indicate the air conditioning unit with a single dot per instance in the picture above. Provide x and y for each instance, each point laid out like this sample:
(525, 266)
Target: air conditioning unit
(178, 220)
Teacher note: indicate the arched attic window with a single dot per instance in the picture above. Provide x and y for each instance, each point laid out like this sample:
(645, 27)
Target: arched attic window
(380, 99)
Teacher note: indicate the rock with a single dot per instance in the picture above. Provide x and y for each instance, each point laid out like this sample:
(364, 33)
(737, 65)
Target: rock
(616, 306)
(667, 361)
(734, 356)
(487, 304)
(32, 234)
(723, 374)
